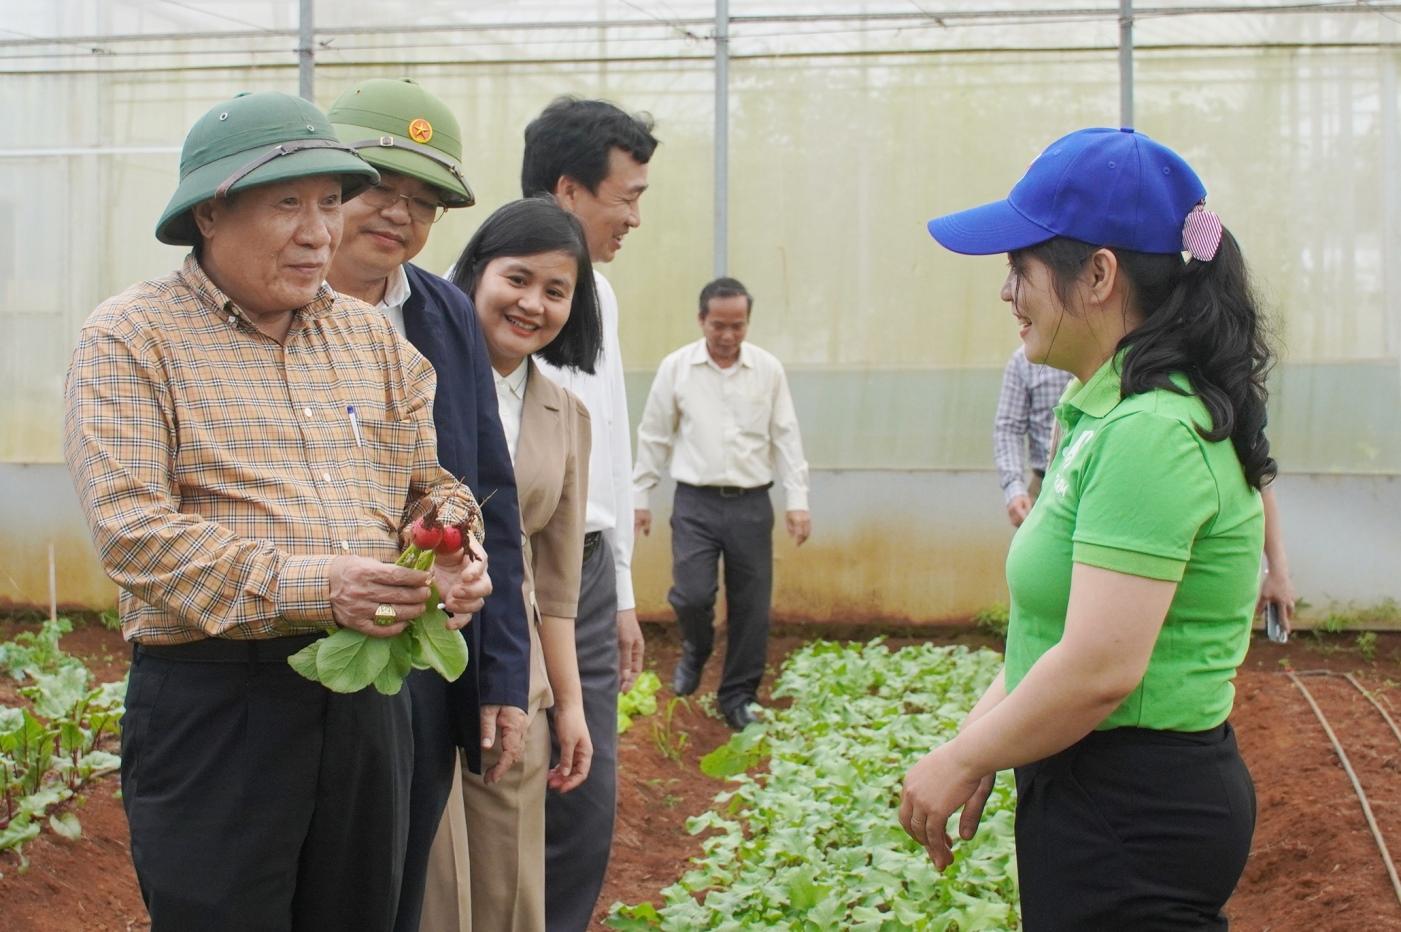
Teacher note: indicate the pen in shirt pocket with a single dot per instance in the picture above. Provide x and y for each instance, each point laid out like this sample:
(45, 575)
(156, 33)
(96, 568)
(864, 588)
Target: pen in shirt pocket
(355, 425)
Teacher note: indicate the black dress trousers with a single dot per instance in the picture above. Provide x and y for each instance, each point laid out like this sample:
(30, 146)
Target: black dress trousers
(259, 801)
(1134, 829)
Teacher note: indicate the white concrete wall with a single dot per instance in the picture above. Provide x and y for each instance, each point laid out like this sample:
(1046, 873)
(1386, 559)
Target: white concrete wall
(887, 545)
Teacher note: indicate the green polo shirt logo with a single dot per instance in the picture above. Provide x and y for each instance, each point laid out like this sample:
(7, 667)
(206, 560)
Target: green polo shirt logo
(1062, 486)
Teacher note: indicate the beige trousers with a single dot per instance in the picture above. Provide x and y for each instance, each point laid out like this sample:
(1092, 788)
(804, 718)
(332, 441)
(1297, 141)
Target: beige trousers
(502, 888)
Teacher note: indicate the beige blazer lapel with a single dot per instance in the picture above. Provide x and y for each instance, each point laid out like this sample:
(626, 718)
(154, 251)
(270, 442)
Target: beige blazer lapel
(540, 452)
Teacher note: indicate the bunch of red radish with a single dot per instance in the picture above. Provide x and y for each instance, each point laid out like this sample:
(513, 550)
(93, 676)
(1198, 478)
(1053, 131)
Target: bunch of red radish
(428, 535)
(348, 661)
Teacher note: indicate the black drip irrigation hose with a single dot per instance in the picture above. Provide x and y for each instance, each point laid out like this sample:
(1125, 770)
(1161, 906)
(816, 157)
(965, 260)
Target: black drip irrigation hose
(1347, 764)
(1367, 694)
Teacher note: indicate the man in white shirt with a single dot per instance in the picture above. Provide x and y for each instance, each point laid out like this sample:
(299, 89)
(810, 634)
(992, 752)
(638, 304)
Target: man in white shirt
(720, 412)
(592, 157)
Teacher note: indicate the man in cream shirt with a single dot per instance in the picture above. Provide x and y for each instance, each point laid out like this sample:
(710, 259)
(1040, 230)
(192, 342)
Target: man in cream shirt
(720, 413)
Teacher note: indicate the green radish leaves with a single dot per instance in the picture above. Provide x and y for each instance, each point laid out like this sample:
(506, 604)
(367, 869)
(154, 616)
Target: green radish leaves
(442, 649)
(745, 751)
(66, 824)
(304, 660)
(348, 661)
(391, 678)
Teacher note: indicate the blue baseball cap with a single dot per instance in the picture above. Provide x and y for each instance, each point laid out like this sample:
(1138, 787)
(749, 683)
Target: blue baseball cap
(1106, 187)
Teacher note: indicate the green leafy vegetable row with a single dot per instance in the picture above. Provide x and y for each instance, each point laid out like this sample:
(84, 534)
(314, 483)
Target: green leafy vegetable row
(814, 843)
(49, 749)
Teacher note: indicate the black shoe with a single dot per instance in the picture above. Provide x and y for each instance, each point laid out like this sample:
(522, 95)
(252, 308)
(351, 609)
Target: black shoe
(686, 677)
(743, 715)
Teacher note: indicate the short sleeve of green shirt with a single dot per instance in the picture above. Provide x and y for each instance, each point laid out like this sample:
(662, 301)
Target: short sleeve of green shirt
(1146, 492)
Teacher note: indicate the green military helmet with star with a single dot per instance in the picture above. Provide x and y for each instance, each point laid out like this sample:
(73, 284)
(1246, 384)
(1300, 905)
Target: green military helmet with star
(397, 126)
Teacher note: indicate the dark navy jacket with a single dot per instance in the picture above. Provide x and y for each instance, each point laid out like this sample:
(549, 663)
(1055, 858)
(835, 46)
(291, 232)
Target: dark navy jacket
(441, 323)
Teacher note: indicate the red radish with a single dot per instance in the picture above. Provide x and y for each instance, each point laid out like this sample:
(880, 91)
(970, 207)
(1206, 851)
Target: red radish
(451, 540)
(426, 536)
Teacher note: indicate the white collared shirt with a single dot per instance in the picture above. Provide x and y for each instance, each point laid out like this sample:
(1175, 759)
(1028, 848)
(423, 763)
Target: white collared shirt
(604, 394)
(510, 401)
(396, 294)
(717, 426)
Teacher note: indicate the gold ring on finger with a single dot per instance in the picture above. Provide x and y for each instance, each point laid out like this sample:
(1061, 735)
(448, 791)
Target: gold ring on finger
(385, 615)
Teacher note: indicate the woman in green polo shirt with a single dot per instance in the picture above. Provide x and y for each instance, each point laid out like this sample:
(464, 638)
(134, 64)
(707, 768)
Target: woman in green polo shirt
(1134, 578)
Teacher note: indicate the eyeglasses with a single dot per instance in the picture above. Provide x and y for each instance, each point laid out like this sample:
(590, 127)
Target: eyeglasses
(383, 197)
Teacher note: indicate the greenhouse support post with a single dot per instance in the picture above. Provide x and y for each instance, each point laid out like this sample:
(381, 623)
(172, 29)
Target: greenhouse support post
(722, 135)
(1125, 63)
(306, 54)
(53, 585)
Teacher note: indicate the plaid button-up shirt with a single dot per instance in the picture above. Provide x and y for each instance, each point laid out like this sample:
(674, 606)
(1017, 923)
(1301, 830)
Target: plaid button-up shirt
(1025, 418)
(221, 471)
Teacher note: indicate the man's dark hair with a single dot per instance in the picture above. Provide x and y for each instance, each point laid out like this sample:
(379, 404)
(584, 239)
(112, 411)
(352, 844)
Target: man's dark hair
(724, 288)
(573, 137)
(529, 227)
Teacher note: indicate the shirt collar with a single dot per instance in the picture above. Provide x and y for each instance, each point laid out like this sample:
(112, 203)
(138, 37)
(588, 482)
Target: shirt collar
(516, 380)
(1100, 394)
(396, 290)
(700, 356)
(194, 276)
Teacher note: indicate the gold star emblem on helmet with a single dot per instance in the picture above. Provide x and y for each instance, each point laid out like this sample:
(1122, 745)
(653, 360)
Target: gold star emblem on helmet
(420, 130)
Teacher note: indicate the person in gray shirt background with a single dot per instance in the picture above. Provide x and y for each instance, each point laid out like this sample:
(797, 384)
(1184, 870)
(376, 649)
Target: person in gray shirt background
(1021, 432)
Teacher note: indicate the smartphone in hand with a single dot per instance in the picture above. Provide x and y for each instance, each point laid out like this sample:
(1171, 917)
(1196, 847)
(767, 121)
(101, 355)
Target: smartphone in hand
(1274, 626)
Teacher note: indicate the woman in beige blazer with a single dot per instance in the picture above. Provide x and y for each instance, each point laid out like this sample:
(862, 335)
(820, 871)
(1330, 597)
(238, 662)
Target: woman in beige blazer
(527, 271)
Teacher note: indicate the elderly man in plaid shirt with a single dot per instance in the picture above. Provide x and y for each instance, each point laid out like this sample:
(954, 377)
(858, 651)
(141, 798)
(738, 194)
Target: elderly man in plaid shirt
(245, 443)
(1022, 430)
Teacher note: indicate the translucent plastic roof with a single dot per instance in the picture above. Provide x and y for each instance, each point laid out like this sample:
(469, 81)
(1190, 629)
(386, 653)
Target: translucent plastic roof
(68, 33)
(849, 126)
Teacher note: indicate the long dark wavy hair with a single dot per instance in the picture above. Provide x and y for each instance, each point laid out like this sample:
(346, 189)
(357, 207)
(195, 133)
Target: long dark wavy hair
(1200, 319)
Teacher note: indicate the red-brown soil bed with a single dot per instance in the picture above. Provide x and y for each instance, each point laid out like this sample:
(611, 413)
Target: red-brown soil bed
(1314, 864)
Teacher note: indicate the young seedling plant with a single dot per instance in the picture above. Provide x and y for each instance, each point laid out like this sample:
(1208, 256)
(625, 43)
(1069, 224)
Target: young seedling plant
(640, 700)
(670, 739)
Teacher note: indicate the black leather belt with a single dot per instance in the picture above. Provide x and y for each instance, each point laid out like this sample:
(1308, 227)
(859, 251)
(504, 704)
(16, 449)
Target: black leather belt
(591, 541)
(224, 650)
(729, 491)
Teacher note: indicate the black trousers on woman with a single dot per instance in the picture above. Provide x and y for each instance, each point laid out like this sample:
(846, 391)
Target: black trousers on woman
(1134, 829)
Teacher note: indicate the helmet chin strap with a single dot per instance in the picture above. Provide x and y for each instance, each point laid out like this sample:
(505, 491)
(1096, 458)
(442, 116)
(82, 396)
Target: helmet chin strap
(428, 152)
(276, 152)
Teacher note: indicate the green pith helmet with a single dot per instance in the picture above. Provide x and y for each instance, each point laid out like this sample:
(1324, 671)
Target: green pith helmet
(398, 126)
(252, 140)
